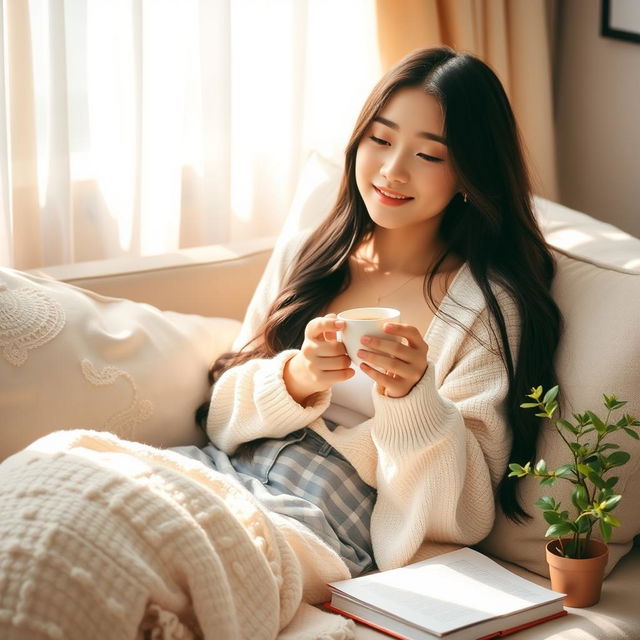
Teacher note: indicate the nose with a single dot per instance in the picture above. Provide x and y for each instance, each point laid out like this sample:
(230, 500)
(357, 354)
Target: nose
(394, 168)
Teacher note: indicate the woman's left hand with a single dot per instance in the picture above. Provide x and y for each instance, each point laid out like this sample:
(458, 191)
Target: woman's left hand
(395, 365)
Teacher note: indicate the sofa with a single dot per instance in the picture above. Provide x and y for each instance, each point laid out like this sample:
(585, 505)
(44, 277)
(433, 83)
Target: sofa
(146, 329)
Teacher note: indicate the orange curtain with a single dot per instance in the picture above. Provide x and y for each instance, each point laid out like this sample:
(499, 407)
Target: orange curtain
(511, 36)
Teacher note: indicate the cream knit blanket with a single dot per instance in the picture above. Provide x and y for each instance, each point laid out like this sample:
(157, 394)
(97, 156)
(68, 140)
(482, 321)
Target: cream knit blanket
(107, 539)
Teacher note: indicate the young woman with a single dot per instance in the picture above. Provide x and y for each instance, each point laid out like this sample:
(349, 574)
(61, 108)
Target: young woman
(434, 217)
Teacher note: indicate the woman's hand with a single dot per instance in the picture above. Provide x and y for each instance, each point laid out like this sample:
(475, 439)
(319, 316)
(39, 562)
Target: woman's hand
(321, 362)
(395, 365)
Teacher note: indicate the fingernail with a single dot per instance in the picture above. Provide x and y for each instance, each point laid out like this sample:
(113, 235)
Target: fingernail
(339, 324)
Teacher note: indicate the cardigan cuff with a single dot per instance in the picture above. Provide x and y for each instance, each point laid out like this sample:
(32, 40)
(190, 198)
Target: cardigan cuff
(274, 400)
(420, 418)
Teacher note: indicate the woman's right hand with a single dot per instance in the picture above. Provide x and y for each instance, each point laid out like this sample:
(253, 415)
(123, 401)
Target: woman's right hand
(321, 362)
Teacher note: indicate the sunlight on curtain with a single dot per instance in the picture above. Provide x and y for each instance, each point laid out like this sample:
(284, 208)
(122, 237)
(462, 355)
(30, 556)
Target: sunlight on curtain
(134, 127)
(6, 250)
(106, 108)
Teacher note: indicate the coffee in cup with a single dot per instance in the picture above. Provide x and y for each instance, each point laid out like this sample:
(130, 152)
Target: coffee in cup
(364, 321)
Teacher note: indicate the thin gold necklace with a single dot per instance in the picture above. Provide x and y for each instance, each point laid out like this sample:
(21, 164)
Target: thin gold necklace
(380, 296)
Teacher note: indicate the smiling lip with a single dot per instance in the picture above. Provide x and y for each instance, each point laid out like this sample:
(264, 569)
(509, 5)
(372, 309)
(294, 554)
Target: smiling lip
(391, 197)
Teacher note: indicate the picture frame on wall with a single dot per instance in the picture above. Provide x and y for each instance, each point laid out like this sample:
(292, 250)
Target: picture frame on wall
(621, 20)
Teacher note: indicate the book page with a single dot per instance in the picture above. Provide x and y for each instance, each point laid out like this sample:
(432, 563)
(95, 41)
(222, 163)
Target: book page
(447, 592)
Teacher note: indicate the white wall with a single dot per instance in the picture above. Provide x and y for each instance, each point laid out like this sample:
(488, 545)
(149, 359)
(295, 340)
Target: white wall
(597, 118)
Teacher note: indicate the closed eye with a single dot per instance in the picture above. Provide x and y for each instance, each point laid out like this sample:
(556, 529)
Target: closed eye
(429, 158)
(424, 156)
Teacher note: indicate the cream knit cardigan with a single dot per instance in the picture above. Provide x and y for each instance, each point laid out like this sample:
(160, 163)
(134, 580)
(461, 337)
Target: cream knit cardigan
(435, 456)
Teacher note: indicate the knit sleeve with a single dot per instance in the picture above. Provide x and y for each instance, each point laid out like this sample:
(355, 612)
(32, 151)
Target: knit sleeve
(251, 400)
(442, 449)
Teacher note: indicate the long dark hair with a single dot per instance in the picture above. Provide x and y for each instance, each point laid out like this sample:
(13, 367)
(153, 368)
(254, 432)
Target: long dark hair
(494, 231)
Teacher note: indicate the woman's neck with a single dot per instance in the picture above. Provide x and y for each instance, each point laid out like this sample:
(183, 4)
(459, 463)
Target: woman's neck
(401, 251)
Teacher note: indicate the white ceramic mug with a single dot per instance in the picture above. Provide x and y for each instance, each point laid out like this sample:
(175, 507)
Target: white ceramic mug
(364, 321)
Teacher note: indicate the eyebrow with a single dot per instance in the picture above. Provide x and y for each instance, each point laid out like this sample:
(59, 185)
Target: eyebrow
(420, 134)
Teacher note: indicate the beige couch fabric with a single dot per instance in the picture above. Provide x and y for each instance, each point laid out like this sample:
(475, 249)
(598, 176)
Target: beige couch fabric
(183, 281)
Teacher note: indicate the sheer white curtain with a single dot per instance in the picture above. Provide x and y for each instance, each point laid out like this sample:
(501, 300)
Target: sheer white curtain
(132, 127)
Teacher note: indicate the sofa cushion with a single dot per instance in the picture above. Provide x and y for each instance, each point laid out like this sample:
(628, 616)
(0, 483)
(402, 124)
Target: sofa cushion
(597, 288)
(578, 235)
(599, 353)
(71, 358)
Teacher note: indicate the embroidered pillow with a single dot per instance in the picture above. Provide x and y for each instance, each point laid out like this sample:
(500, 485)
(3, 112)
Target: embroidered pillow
(72, 358)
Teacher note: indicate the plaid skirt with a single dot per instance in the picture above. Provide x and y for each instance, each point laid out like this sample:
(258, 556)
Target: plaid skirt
(301, 476)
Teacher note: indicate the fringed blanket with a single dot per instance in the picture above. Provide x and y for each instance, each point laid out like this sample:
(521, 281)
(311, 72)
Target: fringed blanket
(108, 539)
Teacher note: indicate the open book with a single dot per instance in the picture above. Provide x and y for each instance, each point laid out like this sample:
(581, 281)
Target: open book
(461, 595)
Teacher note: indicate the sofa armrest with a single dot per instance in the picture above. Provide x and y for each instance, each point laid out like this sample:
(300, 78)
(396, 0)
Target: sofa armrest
(215, 280)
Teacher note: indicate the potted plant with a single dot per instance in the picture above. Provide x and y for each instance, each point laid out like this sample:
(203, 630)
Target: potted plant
(593, 496)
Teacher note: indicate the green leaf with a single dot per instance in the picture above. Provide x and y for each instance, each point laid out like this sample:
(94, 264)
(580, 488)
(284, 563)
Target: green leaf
(632, 433)
(529, 405)
(553, 517)
(617, 459)
(603, 495)
(565, 471)
(596, 422)
(609, 445)
(584, 469)
(517, 470)
(610, 502)
(580, 497)
(541, 467)
(565, 424)
(597, 465)
(558, 530)
(612, 403)
(548, 481)
(551, 395)
(597, 480)
(605, 531)
(546, 502)
(611, 520)
(611, 482)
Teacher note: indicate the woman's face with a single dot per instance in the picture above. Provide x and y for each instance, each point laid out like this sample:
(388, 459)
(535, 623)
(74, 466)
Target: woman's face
(403, 170)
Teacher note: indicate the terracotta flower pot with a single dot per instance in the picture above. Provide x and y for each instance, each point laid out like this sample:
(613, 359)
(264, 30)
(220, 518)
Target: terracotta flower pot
(580, 578)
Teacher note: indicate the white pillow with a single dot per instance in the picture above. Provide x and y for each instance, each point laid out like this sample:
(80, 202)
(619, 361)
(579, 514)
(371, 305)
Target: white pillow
(315, 195)
(72, 358)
